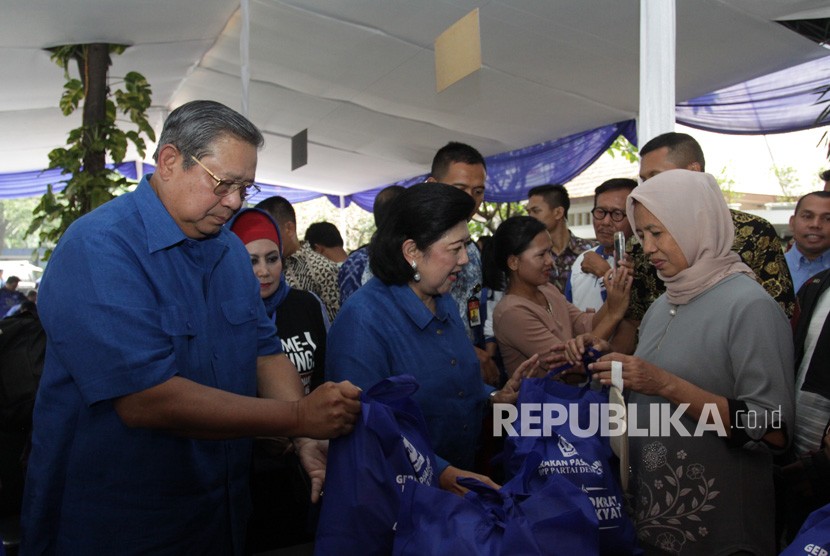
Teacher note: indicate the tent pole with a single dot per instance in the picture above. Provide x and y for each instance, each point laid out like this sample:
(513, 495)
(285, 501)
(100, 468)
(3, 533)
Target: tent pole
(244, 53)
(657, 69)
(341, 216)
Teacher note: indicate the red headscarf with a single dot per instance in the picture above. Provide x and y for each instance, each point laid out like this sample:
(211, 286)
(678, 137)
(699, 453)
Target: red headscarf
(253, 225)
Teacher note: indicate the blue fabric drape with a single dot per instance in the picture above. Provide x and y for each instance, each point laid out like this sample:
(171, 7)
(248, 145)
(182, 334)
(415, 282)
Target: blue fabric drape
(783, 101)
(512, 174)
(292, 195)
(30, 184)
(509, 175)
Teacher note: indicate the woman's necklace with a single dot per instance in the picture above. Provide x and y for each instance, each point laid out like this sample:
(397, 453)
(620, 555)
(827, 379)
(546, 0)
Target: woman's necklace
(532, 297)
(546, 303)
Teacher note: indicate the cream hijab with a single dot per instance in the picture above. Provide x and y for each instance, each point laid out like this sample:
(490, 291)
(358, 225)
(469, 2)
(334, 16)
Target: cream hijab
(691, 207)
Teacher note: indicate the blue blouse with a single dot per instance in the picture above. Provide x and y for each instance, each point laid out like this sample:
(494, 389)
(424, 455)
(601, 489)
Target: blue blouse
(384, 331)
(128, 301)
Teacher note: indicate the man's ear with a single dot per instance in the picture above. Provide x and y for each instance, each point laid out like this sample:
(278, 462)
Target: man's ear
(318, 248)
(559, 213)
(792, 219)
(694, 167)
(431, 180)
(169, 161)
(289, 229)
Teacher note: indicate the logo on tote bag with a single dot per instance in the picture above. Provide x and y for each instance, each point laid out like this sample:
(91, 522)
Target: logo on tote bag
(420, 464)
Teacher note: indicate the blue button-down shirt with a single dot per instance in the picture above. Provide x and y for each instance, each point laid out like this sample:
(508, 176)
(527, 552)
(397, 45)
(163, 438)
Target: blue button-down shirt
(385, 331)
(802, 268)
(128, 301)
(468, 285)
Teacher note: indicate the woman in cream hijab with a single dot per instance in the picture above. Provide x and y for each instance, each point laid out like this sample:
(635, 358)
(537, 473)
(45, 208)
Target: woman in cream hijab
(710, 386)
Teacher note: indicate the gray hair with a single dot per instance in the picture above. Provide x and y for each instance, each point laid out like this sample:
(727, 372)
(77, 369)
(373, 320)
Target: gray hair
(193, 127)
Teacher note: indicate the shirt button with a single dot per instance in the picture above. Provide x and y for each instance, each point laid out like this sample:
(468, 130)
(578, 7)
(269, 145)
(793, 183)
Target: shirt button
(439, 331)
(453, 362)
(461, 394)
(465, 427)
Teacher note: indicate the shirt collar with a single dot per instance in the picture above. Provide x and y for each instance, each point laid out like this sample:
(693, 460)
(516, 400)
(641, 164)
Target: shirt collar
(415, 308)
(804, 261)
(162, 230)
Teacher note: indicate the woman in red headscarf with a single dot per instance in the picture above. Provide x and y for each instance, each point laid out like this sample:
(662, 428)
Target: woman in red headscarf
(300, 320)
(278, 485)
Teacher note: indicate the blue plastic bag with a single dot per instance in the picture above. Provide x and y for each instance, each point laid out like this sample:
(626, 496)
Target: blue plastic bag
(588, 462)
(814, 536)
(524, 517)
(366, 471)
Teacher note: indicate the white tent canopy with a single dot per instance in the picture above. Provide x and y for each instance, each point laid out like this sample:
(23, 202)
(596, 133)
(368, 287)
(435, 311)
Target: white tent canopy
(359, 74)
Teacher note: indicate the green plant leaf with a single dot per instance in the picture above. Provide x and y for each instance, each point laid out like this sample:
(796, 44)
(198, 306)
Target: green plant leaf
(86, 189)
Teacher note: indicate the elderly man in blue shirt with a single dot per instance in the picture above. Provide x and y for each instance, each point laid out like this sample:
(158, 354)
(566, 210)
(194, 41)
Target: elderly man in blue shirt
(158, 344)
(810, 253)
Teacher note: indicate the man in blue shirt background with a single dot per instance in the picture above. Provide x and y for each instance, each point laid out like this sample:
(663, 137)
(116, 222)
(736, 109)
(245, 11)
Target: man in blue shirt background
(810, 253)
(158, 345)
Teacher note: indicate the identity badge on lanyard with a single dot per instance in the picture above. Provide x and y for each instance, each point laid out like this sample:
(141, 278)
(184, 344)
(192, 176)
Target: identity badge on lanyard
(474, 308)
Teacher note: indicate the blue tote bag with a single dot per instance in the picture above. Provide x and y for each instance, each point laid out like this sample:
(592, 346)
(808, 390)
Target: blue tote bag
(814, 536)
(524, 517)
(366, 471)
(587, 462)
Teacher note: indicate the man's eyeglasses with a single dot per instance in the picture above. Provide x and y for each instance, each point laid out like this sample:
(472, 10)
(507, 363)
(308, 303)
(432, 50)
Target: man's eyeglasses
(226, 187)
(617, 215)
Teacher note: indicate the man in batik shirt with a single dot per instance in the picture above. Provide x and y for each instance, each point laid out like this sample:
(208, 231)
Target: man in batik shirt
(756, 241)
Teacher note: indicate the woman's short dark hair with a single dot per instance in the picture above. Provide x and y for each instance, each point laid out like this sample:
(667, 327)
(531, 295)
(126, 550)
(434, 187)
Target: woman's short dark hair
(513, 236)
(422, 213)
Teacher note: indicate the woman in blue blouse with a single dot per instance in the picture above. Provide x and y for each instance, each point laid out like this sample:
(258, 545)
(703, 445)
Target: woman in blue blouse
(404, 322)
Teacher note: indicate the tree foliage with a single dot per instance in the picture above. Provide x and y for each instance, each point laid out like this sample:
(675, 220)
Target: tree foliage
(489, 215)
(823, 93)
(622, 147)
(788, 180)
(727, 186)
(90, 184)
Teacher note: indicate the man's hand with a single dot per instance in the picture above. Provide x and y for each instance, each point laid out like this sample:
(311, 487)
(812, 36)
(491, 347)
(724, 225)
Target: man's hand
(312, 455)
(593, 263)
(328, 411)
(447, 480)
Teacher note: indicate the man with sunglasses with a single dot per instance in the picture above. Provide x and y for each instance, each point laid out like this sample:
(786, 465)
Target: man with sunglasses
(158, 344)
(585, 288)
